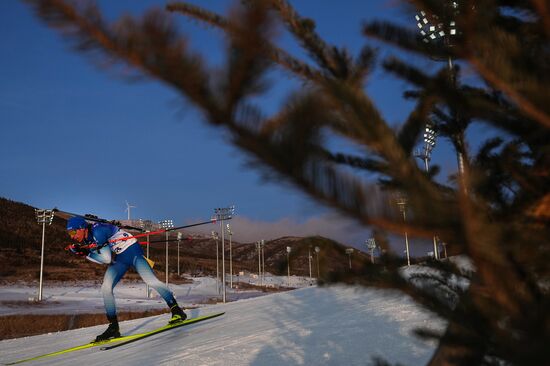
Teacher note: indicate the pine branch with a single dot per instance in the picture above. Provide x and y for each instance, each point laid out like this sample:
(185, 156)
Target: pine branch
(333, 61)
(277, 55)
(304, 30)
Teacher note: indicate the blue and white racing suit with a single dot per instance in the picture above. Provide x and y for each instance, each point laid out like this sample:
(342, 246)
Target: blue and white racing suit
(127, 253)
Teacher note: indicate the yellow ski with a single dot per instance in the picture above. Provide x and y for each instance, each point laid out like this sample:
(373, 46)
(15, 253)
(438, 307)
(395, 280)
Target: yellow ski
(118, 341)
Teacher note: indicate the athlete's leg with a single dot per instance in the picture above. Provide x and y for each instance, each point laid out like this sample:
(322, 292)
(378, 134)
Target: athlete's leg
(114, 273)
(146, 273)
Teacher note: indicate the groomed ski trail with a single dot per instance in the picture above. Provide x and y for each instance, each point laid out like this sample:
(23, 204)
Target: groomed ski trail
(313, 326)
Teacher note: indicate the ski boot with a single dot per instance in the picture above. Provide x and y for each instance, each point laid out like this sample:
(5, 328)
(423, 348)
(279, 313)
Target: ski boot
(111, 332)
(178, 315)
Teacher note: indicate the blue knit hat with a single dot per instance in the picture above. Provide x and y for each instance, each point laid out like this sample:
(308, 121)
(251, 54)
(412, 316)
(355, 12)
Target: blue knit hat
(75, 223)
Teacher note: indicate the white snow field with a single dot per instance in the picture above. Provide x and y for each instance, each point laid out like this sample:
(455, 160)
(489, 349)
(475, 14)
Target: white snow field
(334, 325)
(85, 297)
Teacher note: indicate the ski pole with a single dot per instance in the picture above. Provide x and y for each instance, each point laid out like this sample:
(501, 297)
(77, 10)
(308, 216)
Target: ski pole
(160, 231)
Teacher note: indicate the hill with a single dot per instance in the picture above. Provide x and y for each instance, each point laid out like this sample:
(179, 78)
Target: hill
(21, 235)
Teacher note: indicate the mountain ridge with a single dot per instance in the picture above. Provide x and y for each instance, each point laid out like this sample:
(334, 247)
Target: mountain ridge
(20, 244)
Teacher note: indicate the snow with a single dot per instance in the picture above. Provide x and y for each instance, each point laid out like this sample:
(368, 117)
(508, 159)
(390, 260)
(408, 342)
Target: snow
(335, 325)
(85, 297)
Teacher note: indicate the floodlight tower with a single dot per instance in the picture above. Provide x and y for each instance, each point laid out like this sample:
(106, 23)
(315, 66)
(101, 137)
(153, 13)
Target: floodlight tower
(166, 225)
(371, 244)
(222, 214)
(317, 250)
(262, 243)
(349, 252)
(180, 235)
(230, 257)
(288, 250)
(434, 30)
(215, 237)
(43, 217)
(309, 259)
(402, 204)
(444, 32)
(147, 225)
(259, 248)
(430, 135)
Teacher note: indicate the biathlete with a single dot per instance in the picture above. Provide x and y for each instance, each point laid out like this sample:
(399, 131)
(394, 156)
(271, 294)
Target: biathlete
(104, 244)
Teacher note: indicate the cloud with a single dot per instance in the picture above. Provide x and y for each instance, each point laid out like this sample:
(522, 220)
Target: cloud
(332, 226)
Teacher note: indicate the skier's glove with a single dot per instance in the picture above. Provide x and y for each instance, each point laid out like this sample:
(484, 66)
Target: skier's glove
(77, 249)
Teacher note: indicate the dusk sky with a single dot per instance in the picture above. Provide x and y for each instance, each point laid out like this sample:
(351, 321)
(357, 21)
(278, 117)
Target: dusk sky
(86, 140)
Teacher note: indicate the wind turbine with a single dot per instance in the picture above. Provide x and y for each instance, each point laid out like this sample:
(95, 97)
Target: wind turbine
(128, 207)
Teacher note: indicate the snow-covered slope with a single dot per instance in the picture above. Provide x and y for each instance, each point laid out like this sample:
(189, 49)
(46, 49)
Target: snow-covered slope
(310, 326)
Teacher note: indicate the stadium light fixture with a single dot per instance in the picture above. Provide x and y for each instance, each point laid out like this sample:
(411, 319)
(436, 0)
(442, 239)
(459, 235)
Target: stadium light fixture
(425, 154)
(433, 29)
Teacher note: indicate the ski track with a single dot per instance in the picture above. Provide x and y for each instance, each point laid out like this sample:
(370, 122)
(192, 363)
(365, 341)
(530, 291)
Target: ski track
(311, 326)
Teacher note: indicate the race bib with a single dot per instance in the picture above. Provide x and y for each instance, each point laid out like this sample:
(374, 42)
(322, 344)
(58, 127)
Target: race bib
(118, 242)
